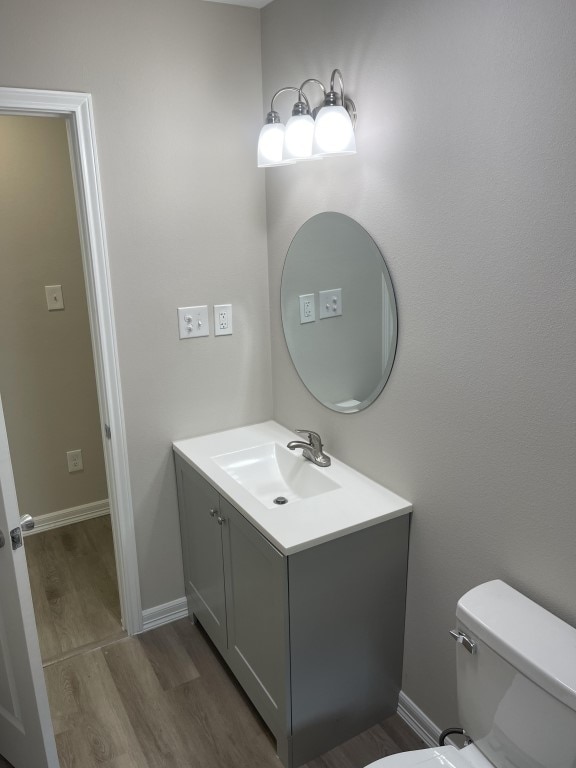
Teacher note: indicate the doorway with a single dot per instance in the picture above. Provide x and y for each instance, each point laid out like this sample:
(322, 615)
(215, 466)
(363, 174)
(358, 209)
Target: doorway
(48, 391)
(76, 109)
(25, 725)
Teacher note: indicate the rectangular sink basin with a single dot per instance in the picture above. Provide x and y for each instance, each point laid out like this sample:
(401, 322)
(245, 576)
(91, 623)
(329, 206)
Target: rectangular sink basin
(271, 471)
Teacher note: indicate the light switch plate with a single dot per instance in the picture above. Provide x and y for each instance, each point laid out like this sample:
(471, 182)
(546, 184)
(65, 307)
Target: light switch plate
(307, 308)
(193, 322)
(222, 319)
(330, 303)
(54, 297)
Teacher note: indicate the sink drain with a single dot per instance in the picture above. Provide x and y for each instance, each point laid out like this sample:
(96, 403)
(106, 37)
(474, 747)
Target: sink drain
(280, 500)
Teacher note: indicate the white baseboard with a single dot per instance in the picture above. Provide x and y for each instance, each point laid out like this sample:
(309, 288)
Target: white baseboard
(164, 614)
(418, 721)
(69, 516)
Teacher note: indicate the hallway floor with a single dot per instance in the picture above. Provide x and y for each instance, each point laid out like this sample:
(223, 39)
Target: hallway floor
(165, 699)
(74, 587)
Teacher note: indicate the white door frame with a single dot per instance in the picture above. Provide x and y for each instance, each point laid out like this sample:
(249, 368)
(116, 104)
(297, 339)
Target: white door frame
(77, 108)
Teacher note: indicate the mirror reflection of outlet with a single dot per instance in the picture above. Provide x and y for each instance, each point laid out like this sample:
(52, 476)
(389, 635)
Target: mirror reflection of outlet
(330, 303)
(222, 319)
(307, 308)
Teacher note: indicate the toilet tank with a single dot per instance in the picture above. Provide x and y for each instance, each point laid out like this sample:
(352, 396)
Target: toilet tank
(517, 691)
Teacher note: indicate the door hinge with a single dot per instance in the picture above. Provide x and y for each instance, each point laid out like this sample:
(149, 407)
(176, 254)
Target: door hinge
(16, 537)
(107, 431)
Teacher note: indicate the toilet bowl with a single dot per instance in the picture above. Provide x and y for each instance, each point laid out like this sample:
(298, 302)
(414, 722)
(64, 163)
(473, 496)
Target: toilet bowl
(516, 673)
(448, 757)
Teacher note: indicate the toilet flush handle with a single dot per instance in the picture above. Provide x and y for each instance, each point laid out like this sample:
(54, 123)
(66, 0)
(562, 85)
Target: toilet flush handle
(464, 640)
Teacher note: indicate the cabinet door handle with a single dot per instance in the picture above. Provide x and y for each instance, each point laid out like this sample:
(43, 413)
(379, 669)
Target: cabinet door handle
(220, 520)
(213, 512)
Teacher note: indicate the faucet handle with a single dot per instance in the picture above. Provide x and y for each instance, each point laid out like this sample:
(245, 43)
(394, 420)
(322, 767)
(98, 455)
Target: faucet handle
(313, 437)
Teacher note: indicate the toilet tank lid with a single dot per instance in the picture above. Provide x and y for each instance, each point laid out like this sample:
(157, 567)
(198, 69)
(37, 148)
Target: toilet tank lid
(527, 636)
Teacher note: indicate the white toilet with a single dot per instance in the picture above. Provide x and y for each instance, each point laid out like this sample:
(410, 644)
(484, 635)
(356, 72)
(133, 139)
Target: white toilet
(516, 669)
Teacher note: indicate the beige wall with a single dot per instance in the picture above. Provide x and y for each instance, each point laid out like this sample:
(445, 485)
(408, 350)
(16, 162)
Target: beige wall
(185, 218)
(47, 379)
(465, 177)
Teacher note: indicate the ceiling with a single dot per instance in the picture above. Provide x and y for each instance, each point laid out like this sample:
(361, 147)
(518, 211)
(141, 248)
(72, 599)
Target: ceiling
(247, 3)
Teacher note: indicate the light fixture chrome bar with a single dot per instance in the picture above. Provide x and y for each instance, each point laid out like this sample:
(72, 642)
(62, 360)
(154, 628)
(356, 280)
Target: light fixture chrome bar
(281, 91)
(315, 111)
(273, 116)
(345, 101)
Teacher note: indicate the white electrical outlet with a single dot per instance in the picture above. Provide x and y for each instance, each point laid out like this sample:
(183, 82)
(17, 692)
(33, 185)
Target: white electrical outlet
(54, 297)
(307, 308)
(193, 322)
(330, 303)
(74, 459)
(222, 319)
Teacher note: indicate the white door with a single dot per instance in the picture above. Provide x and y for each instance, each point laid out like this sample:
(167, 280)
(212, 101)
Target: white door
(26, 735)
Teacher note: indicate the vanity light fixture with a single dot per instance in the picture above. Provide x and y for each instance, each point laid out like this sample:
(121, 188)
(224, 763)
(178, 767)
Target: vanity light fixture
(310, 134)
(299, 133)
(334, 130)
(271, 139)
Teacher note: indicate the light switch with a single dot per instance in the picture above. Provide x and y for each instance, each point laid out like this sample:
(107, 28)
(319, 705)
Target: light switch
(330, 303)
(193, 322)
(54, 297)
(222, 319)
(307, 308)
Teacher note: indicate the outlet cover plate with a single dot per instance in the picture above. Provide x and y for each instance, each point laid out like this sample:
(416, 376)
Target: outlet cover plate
(74, 459)
(307, 308)
(222, 319)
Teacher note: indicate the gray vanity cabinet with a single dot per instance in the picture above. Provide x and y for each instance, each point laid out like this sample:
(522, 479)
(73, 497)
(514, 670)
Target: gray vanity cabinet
(315, 638)
(236, 587)
(257, 609)
(202, 552)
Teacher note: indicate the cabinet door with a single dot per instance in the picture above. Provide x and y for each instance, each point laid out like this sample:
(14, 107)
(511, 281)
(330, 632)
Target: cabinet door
(257, 603)
(202, 552)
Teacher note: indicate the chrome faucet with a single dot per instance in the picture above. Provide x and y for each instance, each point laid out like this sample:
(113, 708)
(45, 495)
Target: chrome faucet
(312, 450)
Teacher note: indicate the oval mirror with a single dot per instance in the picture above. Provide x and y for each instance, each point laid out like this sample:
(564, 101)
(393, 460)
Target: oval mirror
(339, 312)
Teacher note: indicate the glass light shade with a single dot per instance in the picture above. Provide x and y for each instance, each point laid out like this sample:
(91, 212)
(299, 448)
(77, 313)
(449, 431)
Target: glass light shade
(298, 138)
(333, 133)
(270, 145)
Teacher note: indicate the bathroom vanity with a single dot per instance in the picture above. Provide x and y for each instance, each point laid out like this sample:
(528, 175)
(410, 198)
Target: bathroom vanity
(305, 600)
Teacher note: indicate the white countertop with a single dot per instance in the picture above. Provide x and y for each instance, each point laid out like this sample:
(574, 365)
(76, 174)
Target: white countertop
(358, 503)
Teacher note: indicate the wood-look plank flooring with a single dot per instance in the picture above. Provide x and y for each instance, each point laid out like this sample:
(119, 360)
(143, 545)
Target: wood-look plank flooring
(74, 587)
(166, 699)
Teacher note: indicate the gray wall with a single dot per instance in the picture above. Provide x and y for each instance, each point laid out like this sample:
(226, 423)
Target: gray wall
(465, 177)
(47, 381)
(184, 227)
